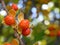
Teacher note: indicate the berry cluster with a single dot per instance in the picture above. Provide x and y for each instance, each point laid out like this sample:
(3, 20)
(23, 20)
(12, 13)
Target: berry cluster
(53, 31)
(24, 25)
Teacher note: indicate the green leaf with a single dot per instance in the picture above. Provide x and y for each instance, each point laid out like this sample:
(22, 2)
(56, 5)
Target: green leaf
(38, 32)
(7, 31)
(1, 18)
(6, 1)
(27, 40)
(2, 39)
(15, 1)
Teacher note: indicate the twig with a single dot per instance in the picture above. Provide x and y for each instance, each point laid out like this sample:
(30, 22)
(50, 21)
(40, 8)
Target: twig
(4, 6)
(18, 37)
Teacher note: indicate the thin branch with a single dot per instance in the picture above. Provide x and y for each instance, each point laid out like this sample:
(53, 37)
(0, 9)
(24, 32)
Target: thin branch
(4, 6)
(18, 37)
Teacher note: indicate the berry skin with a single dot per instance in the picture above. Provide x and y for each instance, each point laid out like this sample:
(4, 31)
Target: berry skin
(7, 44)
(58, 33)
(24, 24)
(9, 20)
(26, 32)
(52, 34)
(15, 7)
(51, 28)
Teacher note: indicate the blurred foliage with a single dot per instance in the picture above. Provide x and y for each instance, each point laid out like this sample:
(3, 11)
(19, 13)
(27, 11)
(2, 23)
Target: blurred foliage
(6, 1)
(38, 32)
(27, 41)
(14, 1)
(1, 18)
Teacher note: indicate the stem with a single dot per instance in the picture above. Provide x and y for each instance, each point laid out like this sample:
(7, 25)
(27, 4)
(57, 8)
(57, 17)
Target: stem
(4, 6)
(18, 37)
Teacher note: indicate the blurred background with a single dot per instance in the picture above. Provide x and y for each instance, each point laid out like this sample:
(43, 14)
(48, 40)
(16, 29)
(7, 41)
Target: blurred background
(44, 16)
